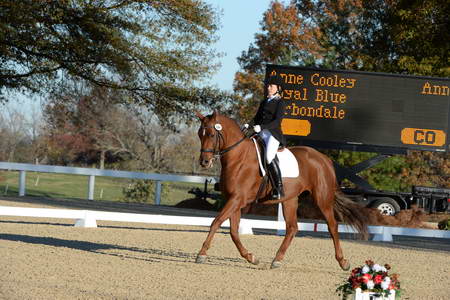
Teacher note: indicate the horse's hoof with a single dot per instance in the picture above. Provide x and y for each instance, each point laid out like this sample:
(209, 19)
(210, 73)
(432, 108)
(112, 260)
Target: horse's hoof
(345, 265)
(253, 259)
(200, 259)
(275, 264)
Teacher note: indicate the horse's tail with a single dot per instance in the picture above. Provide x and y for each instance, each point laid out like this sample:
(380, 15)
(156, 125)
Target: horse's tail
(351, 213)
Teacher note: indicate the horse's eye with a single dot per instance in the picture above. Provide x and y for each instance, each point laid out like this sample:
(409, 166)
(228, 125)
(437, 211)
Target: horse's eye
(211, 134)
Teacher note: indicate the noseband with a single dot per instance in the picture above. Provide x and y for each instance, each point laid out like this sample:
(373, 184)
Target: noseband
(219, 137)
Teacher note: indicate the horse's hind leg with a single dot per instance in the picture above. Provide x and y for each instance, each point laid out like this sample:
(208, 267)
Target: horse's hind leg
(290, 216)
(224, 214)
(234, 232)
(326, 206)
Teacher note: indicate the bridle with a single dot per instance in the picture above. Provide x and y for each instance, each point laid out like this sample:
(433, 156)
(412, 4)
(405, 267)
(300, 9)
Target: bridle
(218, 138)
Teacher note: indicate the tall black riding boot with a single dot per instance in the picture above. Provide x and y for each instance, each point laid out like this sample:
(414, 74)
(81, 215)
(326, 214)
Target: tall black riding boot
(277, 180)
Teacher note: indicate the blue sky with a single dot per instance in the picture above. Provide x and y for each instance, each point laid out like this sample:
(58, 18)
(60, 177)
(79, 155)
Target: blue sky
(240, 21)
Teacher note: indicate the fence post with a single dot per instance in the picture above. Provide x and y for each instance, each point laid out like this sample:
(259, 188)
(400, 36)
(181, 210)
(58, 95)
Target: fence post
(91, 187)
(22, 182)
(158, 193)
(384, 236)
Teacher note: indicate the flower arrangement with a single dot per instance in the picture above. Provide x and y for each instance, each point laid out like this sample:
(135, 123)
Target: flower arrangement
(370, 277)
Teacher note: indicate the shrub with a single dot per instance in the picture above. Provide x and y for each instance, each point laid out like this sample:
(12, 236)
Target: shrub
(143, 191)
(444, 224)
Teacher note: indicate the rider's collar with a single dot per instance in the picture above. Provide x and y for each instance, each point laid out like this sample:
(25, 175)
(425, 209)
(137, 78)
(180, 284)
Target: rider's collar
(273, 97)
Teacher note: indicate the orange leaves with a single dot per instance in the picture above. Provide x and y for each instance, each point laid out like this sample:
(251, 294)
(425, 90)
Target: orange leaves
(248, 83)
(285, 38)
(283, 29)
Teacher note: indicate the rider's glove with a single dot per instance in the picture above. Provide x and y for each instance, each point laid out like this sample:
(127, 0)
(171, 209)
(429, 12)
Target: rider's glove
(257, 128)
(246, 126)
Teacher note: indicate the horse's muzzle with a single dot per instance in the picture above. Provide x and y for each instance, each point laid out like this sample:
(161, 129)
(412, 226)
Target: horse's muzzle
(206, 163)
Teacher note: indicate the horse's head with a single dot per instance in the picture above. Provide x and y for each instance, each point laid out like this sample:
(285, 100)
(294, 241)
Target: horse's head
(216, 132)
(209, 139)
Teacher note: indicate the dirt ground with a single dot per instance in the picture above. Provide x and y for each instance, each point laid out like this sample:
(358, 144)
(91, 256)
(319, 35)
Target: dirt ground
(51, 259)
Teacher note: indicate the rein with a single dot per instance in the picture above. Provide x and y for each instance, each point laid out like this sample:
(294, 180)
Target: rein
(219, 137)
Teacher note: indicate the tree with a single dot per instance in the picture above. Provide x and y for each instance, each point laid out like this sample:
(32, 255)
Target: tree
(421, 32)
(285, 39)
(396, 36)
(20, 135)
(155, 51)
(88, 125)
(13, 129)
(94, 126)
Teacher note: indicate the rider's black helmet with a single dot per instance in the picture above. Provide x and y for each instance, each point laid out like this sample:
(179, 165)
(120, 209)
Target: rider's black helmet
(275, 79)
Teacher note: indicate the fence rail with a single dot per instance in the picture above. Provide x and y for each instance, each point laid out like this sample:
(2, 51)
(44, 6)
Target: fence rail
(89, 218)
(91, 172)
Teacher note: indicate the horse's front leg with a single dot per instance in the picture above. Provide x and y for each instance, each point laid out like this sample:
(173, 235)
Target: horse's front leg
(234, 232)
(290, 216)
(225, 213)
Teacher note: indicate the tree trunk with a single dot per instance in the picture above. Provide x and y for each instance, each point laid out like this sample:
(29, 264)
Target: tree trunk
(102, 159)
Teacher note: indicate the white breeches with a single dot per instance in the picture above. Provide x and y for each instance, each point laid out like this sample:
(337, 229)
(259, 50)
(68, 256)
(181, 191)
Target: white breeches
(271, 144)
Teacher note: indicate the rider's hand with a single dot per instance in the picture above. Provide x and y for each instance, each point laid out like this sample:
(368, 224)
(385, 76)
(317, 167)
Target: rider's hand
(257, 128)
(246, 126)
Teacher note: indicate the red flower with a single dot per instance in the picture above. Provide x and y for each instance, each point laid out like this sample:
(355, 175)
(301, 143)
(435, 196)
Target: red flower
(378, 279)
(366, 277)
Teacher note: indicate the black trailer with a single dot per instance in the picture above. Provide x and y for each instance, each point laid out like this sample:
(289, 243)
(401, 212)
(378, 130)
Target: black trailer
(373, 112)
(431, 199)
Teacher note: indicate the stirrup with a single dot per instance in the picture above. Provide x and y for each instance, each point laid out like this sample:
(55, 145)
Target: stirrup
(277, 194)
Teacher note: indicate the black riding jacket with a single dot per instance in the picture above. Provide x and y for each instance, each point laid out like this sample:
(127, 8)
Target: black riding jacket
(269, 116)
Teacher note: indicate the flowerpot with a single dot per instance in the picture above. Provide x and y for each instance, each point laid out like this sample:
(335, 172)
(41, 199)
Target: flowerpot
(360, 295)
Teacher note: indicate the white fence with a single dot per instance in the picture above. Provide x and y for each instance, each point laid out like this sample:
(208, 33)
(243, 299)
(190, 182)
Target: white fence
(158, 178)
(89, 218)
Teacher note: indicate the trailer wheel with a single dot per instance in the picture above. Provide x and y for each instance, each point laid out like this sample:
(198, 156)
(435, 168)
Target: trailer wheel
(387, 206)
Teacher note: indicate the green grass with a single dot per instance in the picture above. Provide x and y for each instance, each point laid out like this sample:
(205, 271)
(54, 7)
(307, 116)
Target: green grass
(76, 186)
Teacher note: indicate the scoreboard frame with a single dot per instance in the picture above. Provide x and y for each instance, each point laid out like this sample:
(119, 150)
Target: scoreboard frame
(364, 111)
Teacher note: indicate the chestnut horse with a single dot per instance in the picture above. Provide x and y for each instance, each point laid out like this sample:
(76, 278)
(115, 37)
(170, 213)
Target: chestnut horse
(240, 180)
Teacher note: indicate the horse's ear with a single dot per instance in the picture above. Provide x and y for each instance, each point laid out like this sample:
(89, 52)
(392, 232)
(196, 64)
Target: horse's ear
(199, 115)
(214, 115)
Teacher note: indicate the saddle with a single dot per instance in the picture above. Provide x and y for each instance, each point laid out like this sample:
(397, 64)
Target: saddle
(262, 151)
(263, 163)
(285, 159)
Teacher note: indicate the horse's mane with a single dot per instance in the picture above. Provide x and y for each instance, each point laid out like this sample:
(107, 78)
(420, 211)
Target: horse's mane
(220, 118)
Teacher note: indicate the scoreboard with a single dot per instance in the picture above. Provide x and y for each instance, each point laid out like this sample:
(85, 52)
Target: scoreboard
(364, 109)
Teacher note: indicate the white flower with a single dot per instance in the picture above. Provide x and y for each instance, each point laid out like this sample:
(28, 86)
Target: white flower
(370, 284)
(365, 269)
(376, 267)
(384, 285)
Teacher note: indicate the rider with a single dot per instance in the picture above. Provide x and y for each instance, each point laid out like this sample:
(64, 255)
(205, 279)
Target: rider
(267, 123)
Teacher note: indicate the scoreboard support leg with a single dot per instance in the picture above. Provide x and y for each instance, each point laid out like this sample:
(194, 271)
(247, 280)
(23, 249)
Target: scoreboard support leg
(350, 173)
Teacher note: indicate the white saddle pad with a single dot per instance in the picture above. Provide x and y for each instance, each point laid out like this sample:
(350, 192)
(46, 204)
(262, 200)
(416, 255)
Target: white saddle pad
(288, 163)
